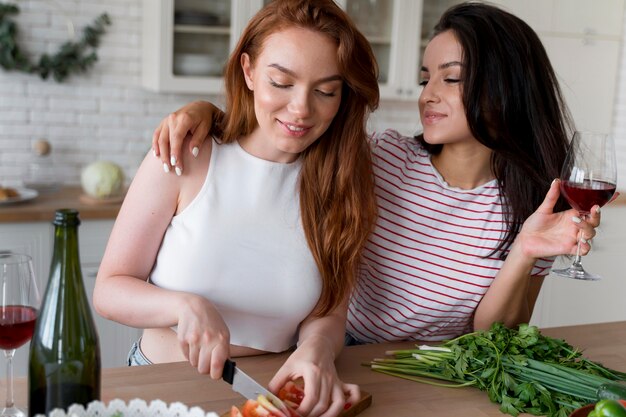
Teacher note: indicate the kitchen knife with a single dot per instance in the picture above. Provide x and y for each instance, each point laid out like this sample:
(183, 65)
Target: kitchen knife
(248, 387)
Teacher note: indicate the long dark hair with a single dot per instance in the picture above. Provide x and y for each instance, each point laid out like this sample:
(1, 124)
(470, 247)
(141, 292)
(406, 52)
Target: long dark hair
(337, 199)
(513, 105)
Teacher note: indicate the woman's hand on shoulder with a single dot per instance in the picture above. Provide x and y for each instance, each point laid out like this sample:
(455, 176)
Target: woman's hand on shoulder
(546, 233)
(192, 121)
(325, 395)
(203, 335)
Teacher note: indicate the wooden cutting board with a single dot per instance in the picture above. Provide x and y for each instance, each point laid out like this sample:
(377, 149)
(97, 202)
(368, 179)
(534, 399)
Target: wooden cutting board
(364, 402)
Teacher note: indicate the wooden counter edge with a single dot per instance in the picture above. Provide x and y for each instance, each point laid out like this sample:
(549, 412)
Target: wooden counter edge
(42, 208)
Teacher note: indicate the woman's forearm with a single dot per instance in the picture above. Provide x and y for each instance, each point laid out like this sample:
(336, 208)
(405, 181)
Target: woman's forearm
(136, 303)
(507, 299)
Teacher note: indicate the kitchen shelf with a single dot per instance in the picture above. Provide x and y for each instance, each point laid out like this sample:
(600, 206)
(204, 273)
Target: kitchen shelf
(204, 30)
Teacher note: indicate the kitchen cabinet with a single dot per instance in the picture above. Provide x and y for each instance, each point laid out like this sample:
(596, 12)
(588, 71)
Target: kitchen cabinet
(564, 301)
(187, 42)
(36, 240)
(394, 31)
(583, 41)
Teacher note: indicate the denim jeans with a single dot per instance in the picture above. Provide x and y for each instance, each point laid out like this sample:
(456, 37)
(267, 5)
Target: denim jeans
(350, 340)
(136, 356)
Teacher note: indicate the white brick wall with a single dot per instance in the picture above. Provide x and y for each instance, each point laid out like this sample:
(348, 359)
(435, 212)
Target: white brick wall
(619, 117)
(105, 114)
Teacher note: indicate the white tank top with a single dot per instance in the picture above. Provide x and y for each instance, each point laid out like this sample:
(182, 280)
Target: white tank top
(240, 243)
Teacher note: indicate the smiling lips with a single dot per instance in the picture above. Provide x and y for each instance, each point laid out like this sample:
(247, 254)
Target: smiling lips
(294, 130)
(431, 117)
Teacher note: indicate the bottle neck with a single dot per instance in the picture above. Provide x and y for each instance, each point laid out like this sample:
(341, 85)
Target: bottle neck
(65, 241)
(65, 255)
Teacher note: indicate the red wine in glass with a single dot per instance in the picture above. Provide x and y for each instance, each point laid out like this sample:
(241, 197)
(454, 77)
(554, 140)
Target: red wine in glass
(583, 196)
(588, 178)
(19, 304)
(16, 326)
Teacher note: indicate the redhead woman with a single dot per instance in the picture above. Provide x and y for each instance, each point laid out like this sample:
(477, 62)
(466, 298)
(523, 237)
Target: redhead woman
(254, 248)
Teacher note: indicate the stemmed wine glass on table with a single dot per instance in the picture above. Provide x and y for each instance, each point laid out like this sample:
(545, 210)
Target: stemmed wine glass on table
(588, 178)
(19, 305)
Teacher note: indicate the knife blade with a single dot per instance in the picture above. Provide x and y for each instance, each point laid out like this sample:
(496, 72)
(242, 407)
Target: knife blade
(248, 387)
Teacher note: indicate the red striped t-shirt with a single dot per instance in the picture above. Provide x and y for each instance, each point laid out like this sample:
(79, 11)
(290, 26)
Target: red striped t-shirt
(427, 264)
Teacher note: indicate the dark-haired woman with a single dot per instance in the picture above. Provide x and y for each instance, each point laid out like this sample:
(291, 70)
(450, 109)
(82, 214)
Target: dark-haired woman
(469, 214)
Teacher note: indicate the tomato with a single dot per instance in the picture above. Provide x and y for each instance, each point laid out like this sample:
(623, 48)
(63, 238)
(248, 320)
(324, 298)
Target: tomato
(253, 409)
(291, 392)
(274, 411)
(262, 407)
(609, 408)
(291, 395)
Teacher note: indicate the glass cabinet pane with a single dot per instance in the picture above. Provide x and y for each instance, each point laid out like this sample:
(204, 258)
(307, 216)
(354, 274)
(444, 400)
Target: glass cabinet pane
(431, 12)
(201, 37)
(374, 19)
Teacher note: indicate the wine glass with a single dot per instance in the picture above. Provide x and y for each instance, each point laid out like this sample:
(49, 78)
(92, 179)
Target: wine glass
(588, 177)
(19, 304)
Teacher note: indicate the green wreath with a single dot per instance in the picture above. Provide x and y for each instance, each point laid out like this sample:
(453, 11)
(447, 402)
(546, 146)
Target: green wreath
(72, 57)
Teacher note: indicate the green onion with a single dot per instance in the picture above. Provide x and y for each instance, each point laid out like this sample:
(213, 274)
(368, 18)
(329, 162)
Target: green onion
(520, 368)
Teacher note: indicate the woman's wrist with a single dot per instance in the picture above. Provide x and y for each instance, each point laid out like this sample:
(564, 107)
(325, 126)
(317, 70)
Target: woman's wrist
(522, 253)
(318, 342)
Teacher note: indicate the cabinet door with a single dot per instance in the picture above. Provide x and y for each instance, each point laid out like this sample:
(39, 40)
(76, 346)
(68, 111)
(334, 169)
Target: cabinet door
(115, 338)
(34, 239)
(583, 41)
(187, 42)
(589, 85)
(392, 27)
(572, 17)
(564, 302)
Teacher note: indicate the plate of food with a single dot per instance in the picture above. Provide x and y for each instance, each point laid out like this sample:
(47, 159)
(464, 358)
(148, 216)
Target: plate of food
(14, 195)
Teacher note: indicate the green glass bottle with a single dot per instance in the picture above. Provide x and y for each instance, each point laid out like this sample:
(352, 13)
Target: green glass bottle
(64, 365)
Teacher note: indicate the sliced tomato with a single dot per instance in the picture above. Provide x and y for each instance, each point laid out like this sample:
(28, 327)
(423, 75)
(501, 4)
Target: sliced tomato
(234, 412)
(262, 407)
(253, 409)
(291, 392)
(274, 411)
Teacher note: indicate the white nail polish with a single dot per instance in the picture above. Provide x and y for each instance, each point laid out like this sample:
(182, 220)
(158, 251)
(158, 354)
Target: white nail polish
(153, 151)
(576, 219)
(173, 160)
(598, 210)
(166, 167)
(195, 151)
(179, 171)
(583, 240)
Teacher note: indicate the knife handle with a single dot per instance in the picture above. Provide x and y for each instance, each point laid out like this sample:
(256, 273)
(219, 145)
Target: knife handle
(229, 371)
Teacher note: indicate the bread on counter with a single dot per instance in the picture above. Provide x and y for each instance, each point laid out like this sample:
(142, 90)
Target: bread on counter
(7, 192)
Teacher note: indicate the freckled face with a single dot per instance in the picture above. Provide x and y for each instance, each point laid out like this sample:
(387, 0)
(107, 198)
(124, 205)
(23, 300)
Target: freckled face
(441, 103)
(297, 92)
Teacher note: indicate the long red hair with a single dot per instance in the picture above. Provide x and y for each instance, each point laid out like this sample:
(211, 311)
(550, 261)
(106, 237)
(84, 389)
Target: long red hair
(337, 200)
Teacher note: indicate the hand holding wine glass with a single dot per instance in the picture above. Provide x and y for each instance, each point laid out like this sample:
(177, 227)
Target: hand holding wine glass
(19, 304)
(588, 178)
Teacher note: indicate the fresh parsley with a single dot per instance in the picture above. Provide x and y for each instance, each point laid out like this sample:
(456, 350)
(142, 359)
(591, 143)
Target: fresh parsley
(520, 369)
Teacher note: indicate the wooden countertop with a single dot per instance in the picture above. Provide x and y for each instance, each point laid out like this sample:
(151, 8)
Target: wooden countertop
(604, 343)
(42, 208)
